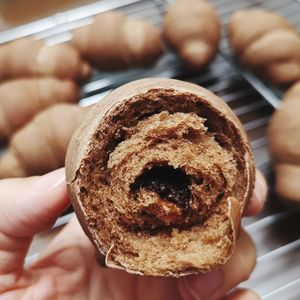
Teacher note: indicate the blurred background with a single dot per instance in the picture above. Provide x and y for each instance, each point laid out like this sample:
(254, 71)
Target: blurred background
(276, 231)
(16, 12)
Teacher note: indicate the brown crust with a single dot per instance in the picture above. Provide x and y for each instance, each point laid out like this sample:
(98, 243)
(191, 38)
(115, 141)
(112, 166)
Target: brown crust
(118, 101)
(37, 94)
(284, 145)
(254, 36)
(31, 58)
(197, 40)
(49, 139)
(123, 43)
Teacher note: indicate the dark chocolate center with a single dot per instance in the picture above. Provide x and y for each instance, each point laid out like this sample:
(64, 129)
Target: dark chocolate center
(169, 183)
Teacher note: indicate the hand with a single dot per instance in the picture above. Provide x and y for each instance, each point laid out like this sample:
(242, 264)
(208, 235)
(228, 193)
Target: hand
(67, 269)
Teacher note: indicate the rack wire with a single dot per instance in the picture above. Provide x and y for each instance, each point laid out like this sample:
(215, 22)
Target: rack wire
(276, 232)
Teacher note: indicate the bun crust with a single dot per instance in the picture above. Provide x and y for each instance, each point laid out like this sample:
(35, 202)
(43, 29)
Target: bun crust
(284, 144)
(113, 42)
(257, 38)
(159, 174)
(197, 40)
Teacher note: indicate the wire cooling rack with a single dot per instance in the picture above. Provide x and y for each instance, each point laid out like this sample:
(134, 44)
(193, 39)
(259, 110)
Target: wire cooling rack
(276, 231)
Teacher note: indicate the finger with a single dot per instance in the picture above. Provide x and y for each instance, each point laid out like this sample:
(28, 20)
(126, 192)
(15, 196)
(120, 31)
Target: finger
(242, 294)
(70, 242)
(27, 206)
(72, 235)
(215, 284)
(76, 244)
(258, 199)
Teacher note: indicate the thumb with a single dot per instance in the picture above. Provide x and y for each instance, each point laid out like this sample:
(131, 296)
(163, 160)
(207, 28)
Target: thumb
(27, 206)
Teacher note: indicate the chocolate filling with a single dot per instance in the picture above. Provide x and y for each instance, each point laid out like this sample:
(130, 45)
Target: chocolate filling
(169, 183)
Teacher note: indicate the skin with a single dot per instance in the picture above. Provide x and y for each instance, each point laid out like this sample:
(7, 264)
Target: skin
(67, 268)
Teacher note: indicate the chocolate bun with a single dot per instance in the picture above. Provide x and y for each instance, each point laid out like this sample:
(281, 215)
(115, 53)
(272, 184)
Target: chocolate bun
(159, 174)
(266, 43)
(284, 145)
(193, 29)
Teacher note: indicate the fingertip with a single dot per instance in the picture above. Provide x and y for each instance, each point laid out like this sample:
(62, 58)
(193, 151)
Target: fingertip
(35, 202)
(242, 294)
(259, 196)
(53, 186)
(261, 185)
(49, 181)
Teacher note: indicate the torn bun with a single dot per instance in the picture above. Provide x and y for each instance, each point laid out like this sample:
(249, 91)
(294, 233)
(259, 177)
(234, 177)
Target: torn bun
(160, 173)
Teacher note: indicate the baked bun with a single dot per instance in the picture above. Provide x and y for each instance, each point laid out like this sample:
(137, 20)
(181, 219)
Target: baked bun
(284, 144)
(266, 43)
(193, 29)
(159, 174)
(114, 42)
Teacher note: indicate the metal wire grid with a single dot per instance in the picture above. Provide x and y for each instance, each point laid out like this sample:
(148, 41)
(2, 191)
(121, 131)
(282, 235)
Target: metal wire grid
(57, 28)
(289, 9)
(276, 232)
